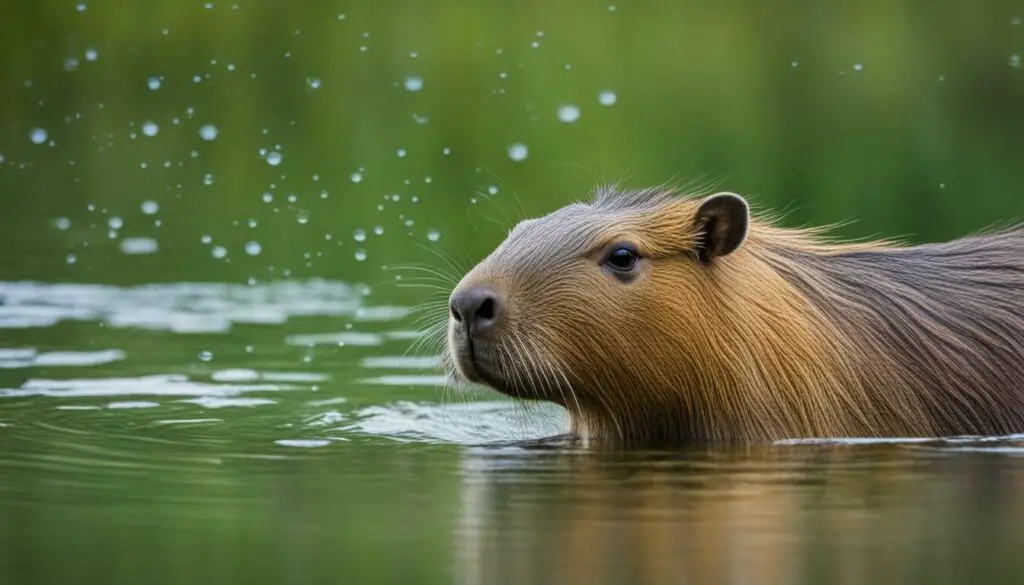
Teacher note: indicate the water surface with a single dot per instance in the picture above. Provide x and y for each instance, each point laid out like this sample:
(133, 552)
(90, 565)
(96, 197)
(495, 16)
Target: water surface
(283, 433)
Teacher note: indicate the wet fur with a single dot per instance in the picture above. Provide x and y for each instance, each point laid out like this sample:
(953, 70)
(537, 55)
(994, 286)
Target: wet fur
(789, 336)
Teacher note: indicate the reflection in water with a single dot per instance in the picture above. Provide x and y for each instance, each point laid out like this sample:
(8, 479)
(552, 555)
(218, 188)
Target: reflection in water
(821, 514)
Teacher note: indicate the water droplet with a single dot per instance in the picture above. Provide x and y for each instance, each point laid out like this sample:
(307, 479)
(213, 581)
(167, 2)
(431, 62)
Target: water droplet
(219, 252)
(268, 197)
(115, 223)
(356, 177)
(401, 153)
(607, 98)
(794, 63)
(568, 113)
(313, 83)
(71, 259)
(274, 158)
(91, 54)
(150, 128)
(379, 230)
(433, 235)
(71, 63)
(359, 235)
(858, 66)
(447, 151)
(208, 179)
(139, 246)
(612, 8)
(62, 223)
(302, 217)
(360, 254)
(80, 7)
(413, 83)
(208, 132)
(205, 356)
(942, 185)
(535, 44)
(253, 248)
(292, 198)
(38, 135)
(493, 190)
(150, 207)
(206, 238)
(518, 151)
(1015, 60)
(154, 83)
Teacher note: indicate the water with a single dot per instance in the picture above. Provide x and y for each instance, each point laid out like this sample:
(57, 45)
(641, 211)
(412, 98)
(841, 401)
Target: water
(225, 226)
(157, 421)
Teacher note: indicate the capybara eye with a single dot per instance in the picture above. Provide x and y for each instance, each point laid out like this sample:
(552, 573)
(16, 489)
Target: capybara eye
(622, 259)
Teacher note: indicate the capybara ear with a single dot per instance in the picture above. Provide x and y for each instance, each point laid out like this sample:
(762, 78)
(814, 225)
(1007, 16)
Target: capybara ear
(722, 222)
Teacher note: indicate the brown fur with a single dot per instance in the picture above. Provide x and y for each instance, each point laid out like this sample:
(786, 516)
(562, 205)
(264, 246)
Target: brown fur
(789, 336)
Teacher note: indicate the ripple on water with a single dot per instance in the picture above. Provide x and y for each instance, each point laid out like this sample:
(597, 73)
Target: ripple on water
(172, 385)
(1000, 444)
(303, 443)
(180, 307)
(30, 358)
(248, 375)
(341, 338)
(402, 362)
(467, 423)
(131, 404)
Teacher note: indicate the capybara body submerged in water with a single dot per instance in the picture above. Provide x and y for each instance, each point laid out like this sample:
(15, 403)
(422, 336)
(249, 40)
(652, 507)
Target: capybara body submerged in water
(658, 318)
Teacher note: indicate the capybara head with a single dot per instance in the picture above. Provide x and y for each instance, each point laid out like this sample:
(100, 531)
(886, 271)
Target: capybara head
(606, 308)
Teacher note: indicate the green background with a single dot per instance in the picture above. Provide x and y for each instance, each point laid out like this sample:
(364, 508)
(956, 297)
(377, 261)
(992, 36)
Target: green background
(904, 116)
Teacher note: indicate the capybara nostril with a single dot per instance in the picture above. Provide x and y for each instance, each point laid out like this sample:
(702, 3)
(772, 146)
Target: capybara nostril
(477, 306)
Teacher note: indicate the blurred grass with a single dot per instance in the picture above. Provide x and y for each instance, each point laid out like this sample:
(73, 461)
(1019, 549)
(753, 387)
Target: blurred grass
(904, 116)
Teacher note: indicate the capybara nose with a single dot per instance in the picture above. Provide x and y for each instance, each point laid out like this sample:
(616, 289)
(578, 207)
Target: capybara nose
(477, 306)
